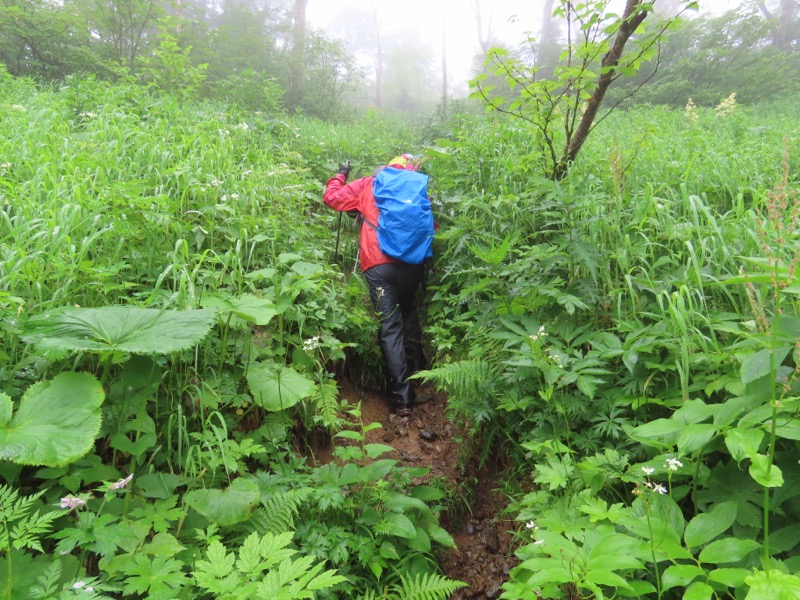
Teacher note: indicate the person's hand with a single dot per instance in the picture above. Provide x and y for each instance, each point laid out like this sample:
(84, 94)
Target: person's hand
(344, 169)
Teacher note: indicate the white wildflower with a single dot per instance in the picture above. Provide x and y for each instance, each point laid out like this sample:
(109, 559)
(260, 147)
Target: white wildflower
(689, 110)
(312, 343)
(122, 483)
(531, 525)
(234, 196)
(223, 198)
(216, 183)
(243, 126)
(673, 464)
(72, 502)
(727, 106)
(539, 543)
(78, 585)
(648, 470)
(657, 487)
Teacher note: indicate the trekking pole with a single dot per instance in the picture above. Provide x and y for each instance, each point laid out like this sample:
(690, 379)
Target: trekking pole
(338, 232)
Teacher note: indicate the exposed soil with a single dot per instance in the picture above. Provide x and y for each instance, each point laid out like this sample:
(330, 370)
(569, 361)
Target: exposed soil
(484, 554)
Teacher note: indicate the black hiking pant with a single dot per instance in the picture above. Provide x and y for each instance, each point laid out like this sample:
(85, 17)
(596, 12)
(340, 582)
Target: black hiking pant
(393, 289)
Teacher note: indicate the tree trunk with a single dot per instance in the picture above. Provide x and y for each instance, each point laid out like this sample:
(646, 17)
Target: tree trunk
(444, 58)
(297, 61)
(549, 49)
(483, 40)
(632, 17)
(783, 24)
(379, 59)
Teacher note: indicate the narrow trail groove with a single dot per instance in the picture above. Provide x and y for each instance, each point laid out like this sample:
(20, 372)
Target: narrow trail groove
(484, 552)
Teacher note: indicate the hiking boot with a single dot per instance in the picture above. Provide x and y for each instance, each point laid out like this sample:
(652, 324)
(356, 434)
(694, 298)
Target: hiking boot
(405, 410)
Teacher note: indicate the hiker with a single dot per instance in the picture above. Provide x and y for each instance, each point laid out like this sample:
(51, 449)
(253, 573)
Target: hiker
(392, 283)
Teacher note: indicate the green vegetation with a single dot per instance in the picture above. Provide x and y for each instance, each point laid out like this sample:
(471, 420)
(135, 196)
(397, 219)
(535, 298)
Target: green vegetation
(176, 321)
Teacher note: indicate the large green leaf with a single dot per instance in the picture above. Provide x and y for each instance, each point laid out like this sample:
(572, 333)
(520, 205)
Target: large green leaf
(226, 507)
(659, 433)
(775, 584)
(276, 387)
(727, 550)
(704, 527)
(119, 328)
(743, 442)
(56, 423)
(695, 437)
(759, 364)
(764, 472)
(247, 307)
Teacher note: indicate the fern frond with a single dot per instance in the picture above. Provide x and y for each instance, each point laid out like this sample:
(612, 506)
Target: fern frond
(27, 532)
(47, 583)
(326, 403)
(463, 379)
(278, 511)
(12, 507)
(427, 587)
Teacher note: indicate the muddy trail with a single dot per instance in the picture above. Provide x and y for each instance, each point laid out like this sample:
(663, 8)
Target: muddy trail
(484, 552)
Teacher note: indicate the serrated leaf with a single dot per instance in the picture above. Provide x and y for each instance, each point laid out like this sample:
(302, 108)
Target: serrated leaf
(56, 423)
(759, 364)
(119, 328)
(400, 525)
(226, 507)
(441, 536)
(427, 493)
(219, 561)
(376, 450)
(5, 409)
(555, 474)
(776, 584)
(276, 387)
(163, 544)
(379, 469)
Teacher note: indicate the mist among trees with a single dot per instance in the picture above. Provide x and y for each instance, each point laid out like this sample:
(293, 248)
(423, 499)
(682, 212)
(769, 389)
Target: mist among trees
(264, 55)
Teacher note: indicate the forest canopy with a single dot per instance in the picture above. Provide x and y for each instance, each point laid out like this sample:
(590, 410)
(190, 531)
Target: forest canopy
(266, 55)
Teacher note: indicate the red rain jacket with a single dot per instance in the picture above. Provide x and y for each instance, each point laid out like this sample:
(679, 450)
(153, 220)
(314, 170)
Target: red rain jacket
(357, 195)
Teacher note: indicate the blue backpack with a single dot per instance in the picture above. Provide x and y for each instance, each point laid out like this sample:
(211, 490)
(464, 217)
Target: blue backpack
(405, 225)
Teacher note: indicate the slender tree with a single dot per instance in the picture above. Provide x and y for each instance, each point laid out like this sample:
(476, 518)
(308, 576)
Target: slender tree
(783, 21)
(549, 48)
(378, 55)
(484, 37)
(564, 108)
(297, 58)
(444, 56)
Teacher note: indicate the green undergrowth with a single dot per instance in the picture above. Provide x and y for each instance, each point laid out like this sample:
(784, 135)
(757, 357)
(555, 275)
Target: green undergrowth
(628, 338)
(176, 305)
(173, 318)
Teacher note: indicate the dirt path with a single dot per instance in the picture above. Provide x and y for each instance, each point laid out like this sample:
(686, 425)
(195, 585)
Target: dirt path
(484, 554)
